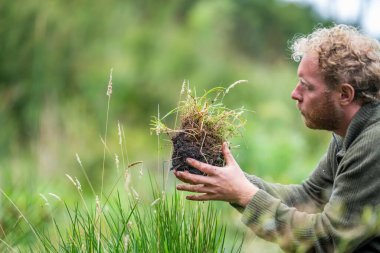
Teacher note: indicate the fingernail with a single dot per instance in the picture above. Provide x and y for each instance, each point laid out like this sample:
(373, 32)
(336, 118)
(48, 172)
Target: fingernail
(189, 160)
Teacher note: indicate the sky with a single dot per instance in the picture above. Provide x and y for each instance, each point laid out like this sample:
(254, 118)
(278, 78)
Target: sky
(348, 11)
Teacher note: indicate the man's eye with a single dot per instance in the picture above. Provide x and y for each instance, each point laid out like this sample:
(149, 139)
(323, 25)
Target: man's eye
(305, 85)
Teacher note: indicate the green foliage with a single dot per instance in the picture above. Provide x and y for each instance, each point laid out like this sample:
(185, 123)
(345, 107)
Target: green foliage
(54, 59)
(165, 225)
(205, 113)
(173, 225)
(53, 54)
(262, 28)
(168, 224)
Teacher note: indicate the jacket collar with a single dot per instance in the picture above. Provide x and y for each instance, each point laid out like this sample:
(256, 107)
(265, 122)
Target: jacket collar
(367, 115)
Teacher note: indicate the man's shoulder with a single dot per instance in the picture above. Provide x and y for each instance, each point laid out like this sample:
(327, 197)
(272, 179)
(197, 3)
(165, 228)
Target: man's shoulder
(370, 132)
(369, 139)
(372, 128)
(375, 117)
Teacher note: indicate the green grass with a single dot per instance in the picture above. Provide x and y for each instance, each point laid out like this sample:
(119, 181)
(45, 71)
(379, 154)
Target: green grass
(168, 224)
(115, 221)
(197, 113)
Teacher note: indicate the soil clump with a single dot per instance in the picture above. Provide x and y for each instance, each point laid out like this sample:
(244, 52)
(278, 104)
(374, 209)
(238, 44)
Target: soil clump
(189, 146)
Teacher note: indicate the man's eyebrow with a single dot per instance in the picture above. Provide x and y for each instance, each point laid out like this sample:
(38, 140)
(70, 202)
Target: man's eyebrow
(303, 80)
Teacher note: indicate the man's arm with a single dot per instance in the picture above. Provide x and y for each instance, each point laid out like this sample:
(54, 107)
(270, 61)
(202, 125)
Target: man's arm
(346, 221)
(355, 188)
(311, 195)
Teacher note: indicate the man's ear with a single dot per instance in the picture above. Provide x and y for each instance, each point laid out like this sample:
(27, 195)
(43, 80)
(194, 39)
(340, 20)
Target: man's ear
(347, 94)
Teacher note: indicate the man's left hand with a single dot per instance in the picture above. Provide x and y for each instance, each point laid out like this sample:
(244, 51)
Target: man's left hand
(226, 183)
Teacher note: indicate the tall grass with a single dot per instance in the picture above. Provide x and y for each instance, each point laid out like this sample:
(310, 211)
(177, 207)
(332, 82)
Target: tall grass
(168, 224)
(174, 225)
(116, 222)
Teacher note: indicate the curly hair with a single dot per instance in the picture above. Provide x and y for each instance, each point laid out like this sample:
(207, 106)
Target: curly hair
(345, 56)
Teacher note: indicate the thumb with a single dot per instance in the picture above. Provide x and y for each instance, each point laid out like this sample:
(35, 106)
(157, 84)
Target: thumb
(227, 154)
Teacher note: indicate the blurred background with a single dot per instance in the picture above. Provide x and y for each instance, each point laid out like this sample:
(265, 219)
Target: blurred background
(55, 62)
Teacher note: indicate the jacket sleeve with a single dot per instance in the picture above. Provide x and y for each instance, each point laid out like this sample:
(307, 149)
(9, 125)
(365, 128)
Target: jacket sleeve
(312, 194)
(342, 225)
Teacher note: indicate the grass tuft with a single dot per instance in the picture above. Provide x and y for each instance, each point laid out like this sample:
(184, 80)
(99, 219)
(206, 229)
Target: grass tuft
(204, 124)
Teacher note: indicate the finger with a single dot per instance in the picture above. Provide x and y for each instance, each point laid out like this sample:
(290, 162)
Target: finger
(178, 175)
(200, 197)
(203, 167)
(228, 157)
(187, 177)
(192, 188)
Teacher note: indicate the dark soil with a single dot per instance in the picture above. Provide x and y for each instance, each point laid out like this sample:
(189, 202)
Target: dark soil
(204, 148)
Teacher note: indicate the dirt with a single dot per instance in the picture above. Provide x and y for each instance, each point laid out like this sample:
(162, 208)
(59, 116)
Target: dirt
(202, 146)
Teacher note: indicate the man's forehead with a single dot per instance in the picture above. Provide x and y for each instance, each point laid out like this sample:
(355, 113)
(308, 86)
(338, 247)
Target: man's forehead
(309, 63)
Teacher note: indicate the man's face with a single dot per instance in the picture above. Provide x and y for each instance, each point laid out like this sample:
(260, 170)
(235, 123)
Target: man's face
(316, 102)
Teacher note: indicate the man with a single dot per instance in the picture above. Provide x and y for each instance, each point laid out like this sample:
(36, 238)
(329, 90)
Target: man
(336, 208)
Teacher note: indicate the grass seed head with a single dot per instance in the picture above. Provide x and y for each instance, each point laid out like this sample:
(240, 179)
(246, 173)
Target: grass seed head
(78, 159)
(71, 179)
(117, 162)
(55, 196)
(79, 186)
(109, 87)
(45, 199)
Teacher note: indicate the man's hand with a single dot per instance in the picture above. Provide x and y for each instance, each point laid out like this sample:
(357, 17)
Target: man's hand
(227, 184)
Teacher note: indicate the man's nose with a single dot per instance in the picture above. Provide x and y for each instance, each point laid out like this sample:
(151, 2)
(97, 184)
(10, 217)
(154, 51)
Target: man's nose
(296, 95)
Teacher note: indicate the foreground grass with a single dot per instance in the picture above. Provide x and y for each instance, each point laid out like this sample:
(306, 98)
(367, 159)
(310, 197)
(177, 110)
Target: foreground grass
(168, 224)
(113, 223)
